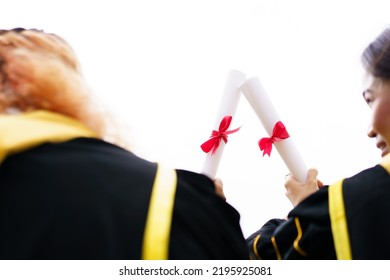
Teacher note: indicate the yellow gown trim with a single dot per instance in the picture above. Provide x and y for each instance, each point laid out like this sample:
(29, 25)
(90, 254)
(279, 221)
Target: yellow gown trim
(159, 218)
(299, 236)
(386, 163)
(25, 131)
(277, 252)
(339, 222)
(254, 246)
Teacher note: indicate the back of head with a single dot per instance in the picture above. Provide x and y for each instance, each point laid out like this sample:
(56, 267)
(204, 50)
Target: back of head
(376, 57)
(40, 71)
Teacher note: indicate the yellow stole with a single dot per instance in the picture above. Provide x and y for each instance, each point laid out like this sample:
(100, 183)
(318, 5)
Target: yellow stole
(158, 223)
(25, 131)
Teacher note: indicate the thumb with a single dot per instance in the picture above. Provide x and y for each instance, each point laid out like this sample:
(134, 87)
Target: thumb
(311, 178)
(312, 173)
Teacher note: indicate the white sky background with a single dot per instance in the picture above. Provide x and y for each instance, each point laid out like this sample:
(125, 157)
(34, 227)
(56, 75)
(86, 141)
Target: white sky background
(161, 67)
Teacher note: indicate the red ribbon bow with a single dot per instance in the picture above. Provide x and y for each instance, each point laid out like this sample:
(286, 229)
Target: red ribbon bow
(279, 133)
(222, 134)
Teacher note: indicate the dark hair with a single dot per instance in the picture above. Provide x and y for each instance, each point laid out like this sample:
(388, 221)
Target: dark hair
(376, 56)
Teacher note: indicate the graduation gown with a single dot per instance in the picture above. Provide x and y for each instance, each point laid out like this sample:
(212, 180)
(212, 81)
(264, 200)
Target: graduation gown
(346, 220)
(65, 194)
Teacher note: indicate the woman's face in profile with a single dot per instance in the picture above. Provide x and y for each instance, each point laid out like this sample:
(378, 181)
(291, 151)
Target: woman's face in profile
(377, 96)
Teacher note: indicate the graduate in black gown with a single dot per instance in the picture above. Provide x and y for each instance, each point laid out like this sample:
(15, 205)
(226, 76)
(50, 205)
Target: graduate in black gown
(69, 189)
(349, 219)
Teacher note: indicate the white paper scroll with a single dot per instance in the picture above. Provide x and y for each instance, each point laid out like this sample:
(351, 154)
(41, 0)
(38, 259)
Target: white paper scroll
(265, 110)
(228, 105)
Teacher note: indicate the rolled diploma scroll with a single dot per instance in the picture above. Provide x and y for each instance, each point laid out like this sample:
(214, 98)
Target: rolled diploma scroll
(229, 102)
(261, 104)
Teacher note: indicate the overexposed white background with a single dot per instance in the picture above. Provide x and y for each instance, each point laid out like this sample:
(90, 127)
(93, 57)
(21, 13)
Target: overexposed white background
(161, 66)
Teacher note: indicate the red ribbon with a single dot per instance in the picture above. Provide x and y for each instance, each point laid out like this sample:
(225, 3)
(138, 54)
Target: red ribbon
(216, 136)
(278, 134)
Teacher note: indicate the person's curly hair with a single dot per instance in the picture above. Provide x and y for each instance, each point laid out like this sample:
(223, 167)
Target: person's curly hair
(40, 71)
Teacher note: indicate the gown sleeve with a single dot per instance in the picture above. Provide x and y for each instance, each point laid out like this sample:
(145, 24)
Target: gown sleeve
(306, 234)
(203, 223)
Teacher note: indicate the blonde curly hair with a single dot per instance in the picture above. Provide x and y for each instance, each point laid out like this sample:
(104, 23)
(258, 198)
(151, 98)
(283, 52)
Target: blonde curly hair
(40, 71)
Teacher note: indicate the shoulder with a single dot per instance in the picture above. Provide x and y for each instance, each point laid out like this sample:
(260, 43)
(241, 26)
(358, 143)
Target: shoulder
(365, 180)
(368, 188)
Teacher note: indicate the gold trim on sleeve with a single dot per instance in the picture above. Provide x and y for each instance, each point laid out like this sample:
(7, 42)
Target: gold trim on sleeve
(299, 236)
(278, 255)
(255, 246)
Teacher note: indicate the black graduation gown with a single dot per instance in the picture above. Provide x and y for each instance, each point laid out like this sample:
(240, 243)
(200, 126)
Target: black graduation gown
(347, 220)
(87, 199)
